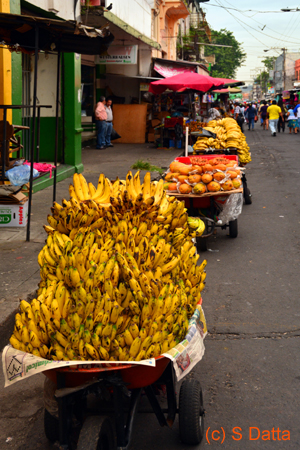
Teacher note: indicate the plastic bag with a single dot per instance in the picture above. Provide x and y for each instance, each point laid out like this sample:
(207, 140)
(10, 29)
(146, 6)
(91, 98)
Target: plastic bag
(114, 135)
(20, 175)
(231, 209)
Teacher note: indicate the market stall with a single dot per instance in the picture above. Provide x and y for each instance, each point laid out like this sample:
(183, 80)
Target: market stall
(118, 310)
(188, 97)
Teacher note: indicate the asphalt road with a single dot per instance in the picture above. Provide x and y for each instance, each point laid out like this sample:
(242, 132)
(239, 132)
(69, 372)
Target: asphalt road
(250, 373)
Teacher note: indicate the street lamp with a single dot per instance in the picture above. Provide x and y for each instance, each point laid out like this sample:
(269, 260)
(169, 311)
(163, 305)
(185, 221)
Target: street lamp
(289, 9)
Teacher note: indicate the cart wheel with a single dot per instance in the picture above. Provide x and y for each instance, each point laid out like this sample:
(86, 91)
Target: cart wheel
(191, 412)
(201, 244)
(51, 427)
(247, 196)
(233, 228)
(96, 434)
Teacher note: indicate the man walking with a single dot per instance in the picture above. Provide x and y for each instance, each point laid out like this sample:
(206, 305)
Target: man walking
(250, 115)
(109, 123)
(274, 112)
(101, 117)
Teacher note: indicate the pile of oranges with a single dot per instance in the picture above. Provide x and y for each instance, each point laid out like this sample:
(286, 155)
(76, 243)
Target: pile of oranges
(203, 175)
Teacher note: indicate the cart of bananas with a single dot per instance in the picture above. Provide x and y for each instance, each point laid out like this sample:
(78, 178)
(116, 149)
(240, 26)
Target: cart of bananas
(119, 275)
(229, 135)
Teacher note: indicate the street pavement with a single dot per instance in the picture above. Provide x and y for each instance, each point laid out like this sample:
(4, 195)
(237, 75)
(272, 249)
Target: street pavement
(250, 373)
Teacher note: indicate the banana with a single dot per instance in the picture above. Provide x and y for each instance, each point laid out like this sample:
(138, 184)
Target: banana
(135, 347)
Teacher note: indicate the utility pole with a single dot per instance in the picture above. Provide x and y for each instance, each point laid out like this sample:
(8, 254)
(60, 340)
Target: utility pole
(284, 58)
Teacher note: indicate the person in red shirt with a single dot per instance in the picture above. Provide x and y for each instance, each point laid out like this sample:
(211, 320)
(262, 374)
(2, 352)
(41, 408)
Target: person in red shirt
(101, 118)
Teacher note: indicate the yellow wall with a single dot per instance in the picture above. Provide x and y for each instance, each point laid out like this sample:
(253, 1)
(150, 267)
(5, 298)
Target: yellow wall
(5, 69)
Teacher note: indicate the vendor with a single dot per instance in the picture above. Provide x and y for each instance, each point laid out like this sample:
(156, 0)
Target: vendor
(213, 112)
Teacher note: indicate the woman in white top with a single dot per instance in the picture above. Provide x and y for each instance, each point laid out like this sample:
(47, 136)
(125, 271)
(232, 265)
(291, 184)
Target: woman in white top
(292, 121)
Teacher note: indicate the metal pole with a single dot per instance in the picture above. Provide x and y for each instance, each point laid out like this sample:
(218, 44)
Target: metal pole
(38, 134)
(36, 51)
(284, 50)
(4, 144)
(56, 125)
(186, 153)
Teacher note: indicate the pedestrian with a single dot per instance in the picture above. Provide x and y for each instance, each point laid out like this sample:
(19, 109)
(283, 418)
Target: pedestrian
(274, 112)
(237, 110)
(109, 122)
(263, 115)
(297, 112)
(251, 113)
(240, 120)
(101, 117)
(281, 121)
(292, 121)
(213, 112)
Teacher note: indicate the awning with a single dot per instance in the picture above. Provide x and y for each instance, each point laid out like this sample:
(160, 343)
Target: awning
(227, 91)
(182, 81)
(169, 68)
(18, 33)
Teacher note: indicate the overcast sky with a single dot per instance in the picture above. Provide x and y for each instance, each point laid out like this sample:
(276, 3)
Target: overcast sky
(257, 31)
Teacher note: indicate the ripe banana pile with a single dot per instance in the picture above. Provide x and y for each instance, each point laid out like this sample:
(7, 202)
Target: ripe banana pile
(229, 135)
(196, 225)
(119, 275)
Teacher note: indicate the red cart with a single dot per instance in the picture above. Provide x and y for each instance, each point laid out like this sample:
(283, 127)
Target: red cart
(118, 390)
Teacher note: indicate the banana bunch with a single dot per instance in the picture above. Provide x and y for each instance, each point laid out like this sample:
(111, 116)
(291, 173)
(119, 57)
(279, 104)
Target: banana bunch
(196, 226)
(119, 285)
(229, 135)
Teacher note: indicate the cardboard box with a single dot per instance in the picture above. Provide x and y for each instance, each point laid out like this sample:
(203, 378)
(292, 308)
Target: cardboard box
(151, 137)
(14, 215)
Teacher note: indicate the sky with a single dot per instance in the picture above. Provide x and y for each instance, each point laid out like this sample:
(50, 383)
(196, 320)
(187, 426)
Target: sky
(257, 30)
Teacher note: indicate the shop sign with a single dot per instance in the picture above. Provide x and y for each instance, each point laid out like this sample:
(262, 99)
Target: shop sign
(118, 54)
(285, 95)
(271, 90)
(144, 87)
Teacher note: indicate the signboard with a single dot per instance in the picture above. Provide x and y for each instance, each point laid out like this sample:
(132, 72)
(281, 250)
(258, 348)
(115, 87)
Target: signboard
(271, 90)
(118, 54)
(144, 87)
(171, 69)
(285, 95)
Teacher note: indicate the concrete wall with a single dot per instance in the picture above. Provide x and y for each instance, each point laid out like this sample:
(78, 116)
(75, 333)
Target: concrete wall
(64, 8)
(136, 13)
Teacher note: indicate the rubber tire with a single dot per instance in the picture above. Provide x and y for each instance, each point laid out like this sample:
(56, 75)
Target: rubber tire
(51, 427)
(191, 412)
(96, 434)
(247, 197)
(233, 228)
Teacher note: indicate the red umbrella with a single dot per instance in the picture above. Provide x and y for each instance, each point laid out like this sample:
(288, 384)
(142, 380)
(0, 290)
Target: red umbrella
(188, 80)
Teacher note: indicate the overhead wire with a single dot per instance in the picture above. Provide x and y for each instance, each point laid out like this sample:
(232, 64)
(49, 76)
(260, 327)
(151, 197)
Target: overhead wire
(260, 32)
(266, 26)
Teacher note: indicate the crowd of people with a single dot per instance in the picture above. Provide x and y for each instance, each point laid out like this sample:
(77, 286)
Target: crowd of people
(272, 115)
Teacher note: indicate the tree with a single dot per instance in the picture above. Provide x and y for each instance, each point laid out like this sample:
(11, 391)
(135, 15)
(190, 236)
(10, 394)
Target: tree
(228, 60)
(268, 62)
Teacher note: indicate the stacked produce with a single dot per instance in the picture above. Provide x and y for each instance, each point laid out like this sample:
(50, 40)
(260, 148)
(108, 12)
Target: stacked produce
(203, 175)
(119, 275)
(229, 135)
(195, 125)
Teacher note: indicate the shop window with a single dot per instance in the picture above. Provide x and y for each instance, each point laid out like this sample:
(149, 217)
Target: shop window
(88, 90)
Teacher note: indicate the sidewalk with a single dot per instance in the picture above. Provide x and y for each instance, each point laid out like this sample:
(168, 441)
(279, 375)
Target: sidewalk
(18, 265)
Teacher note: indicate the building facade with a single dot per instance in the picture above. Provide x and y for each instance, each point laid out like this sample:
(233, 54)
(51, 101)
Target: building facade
(16, 87)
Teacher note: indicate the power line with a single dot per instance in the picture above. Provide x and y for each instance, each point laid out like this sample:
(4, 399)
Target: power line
(264, 26)
(251, 10)
(272, 37)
